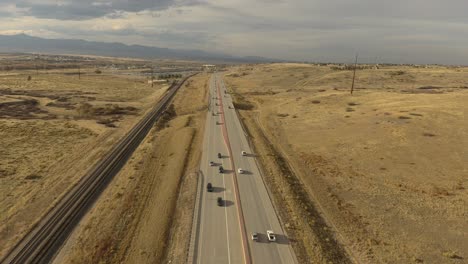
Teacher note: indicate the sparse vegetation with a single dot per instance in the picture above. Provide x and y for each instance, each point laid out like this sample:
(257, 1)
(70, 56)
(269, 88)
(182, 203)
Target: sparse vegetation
(167, 116)
(33, 177)
(243, 106)
(54, 126)
(397, 73)
(107, 122)
(169, 76)
(86, 110)
(451, 254)
(353, 164)
(24, 109)
(429, 87)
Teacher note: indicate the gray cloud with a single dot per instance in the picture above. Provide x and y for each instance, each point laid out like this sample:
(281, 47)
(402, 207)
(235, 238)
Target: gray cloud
(418, 31)
(88, 9)
(150, 37)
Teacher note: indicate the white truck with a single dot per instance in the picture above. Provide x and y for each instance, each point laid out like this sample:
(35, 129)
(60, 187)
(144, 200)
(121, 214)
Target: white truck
(271, 236)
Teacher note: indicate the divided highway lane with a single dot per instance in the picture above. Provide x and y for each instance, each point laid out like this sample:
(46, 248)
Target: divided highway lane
(258, 209)
(219, 236)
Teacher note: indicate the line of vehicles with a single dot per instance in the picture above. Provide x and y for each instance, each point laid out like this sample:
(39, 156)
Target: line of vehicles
(209, 187)
(220, 202)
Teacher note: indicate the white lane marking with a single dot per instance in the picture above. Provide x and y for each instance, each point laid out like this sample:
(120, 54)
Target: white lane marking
(204, 197)
(201, 226)
(225, 210)
(207, 136)
(267, 206)
(225, 213)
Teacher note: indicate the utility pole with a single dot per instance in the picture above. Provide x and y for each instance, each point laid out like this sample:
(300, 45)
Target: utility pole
(354, 74)
(35, 65)
(152, 76)
(79, 72)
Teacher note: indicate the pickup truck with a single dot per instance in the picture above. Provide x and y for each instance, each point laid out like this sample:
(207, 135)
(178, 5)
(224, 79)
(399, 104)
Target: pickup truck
(271, 236)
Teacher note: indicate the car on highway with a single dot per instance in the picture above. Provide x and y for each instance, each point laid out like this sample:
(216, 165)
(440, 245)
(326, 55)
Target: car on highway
(240, 171)
(220, 201)
(254, 236)
(243, 153)
(219, 155)
(212, 163)
(221, 169)
(209, 187)
(271, 236)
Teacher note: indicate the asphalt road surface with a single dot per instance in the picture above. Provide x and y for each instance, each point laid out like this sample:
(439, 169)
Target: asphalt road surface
(224, 232)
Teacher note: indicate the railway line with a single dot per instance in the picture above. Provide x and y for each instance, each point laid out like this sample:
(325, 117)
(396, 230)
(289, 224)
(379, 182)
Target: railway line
(44, 240)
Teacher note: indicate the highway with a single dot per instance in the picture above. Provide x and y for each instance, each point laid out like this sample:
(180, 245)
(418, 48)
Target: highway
(224, 232)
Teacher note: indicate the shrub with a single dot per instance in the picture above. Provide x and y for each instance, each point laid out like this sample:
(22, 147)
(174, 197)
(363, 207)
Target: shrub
(244, 106)
(84, 110)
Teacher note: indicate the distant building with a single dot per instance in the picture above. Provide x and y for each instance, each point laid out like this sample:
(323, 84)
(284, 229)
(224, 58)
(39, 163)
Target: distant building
(156, 81)
(209, 67)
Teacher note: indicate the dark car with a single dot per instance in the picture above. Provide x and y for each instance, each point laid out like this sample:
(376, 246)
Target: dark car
(220, 201)
(219, 155)
(209, 187)
(221, 169)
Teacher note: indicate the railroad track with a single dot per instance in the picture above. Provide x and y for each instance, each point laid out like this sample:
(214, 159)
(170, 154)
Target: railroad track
(44, 240)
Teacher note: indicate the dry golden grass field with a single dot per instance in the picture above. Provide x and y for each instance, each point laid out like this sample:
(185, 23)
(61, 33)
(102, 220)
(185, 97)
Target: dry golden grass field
(145, 214)
(386, 168)
(53, 128)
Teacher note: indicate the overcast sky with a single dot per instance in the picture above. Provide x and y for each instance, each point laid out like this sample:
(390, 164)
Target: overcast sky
(400, 31)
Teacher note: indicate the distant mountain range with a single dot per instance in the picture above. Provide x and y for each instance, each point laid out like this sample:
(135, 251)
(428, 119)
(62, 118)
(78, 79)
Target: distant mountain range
(29, 44)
